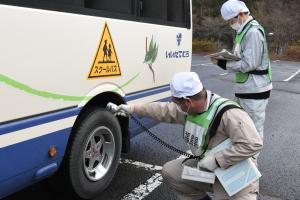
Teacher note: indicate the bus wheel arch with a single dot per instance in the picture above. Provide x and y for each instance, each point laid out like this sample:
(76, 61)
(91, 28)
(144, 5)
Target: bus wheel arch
(100, 101)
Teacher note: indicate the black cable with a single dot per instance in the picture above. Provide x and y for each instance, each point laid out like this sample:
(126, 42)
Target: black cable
(163, 143)
(112, 107)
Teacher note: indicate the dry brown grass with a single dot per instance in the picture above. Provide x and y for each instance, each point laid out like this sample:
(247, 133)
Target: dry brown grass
(204, 46)
(293, 52)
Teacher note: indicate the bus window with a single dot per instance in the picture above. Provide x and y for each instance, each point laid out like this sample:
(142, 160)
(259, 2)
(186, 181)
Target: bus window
(167, 12)
(65, 2)
(176, 10)
(153, 9)
(43, 3)
(119, 6)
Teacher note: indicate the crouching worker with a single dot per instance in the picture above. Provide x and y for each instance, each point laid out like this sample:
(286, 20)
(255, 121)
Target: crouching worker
(208, 120)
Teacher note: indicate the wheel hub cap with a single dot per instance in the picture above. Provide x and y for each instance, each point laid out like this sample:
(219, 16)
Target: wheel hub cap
(98, 153)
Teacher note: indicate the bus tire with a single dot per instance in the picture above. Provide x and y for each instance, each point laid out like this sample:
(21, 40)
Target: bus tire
(97, 145)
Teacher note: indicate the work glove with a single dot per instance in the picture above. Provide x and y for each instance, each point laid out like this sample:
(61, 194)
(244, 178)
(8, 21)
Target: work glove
(122, 110)
(220, 62)
(208, 162)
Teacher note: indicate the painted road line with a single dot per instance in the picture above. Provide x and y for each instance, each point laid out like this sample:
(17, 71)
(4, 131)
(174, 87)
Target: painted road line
(224, 74)
(207, 64)
(141, 165)
(201, 64)
(145, 189)
(196, 65)
(274, 61)
(292, 76)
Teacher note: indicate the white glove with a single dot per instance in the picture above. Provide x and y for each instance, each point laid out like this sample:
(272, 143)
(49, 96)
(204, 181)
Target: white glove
(123, 109)
(208, 162)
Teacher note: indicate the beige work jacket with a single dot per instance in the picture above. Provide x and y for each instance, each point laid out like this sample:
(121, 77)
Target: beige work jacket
(235, 124)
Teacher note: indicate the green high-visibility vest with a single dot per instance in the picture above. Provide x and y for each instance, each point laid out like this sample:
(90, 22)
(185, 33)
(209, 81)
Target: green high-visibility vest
(241, 77)
(198, 127)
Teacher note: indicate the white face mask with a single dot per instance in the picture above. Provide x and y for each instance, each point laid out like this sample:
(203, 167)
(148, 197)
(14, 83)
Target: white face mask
(236, 26)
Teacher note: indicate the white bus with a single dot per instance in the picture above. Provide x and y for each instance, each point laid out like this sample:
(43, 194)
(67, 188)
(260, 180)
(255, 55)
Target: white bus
(61, 62)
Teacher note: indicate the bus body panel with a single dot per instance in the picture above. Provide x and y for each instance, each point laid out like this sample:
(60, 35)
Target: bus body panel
(45, 61)
(21, 170)
(53, 52)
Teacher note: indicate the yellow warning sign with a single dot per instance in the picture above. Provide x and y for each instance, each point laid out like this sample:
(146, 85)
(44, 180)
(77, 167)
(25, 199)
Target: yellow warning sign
(106, 61)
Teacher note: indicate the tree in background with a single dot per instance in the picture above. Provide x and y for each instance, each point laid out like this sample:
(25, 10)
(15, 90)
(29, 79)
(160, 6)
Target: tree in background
(280, 17)
(208, 25)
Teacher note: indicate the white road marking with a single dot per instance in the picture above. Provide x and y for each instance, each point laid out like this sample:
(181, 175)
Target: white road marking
(201, 64)
(224, 74)
(141, 165)
(289, 78)
(274, 61)
(145, 189)
(153, 182)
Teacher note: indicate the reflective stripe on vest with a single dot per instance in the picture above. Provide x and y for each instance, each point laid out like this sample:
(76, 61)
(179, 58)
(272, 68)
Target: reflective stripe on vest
(197, 127)
(241, 77)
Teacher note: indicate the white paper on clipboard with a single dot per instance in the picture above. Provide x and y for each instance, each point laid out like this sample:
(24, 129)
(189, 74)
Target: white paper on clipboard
(238, 176)
(224, 55)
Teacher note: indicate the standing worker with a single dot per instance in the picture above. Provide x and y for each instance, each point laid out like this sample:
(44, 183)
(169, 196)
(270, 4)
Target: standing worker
(208, 120)
(252, 72)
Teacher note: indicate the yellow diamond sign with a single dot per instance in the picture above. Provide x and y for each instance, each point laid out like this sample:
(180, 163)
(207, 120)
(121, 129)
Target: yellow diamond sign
(106, 60)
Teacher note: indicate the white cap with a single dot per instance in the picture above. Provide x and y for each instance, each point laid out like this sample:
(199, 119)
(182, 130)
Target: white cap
(185, 84)
(232, 8)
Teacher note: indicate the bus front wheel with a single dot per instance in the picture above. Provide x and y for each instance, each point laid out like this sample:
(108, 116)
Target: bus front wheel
(94, 154)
